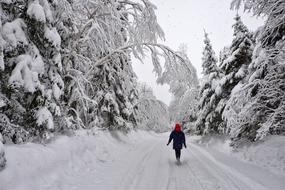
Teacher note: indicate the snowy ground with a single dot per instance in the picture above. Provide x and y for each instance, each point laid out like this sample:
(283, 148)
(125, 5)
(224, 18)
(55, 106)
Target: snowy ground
(139, 160)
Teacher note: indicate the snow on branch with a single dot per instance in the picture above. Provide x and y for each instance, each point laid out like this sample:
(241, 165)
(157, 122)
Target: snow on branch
(274, 10)
(169, 55)
(120, 27)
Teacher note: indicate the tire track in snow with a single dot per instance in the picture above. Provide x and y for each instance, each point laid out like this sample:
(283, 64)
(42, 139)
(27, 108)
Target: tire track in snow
(134, 174)
(227, 171)
(195, 176)
(170, 174)
(180, 177)
(223, 178)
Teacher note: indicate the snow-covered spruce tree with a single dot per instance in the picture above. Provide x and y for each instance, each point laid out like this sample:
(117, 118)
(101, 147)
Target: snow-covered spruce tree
(257, 109)
(30, 64)
(2, 154)
(99, 82)
(239, 56)
(116, 93)
(209, 119)
(183, 81)
(100, 89)
(235, 65)
(224, 54)
(150, 113)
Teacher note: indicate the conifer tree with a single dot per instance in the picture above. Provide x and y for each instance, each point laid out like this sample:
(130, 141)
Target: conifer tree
(31, 83)
(209, 120)
(256, 109)
(66, 64)
(150, 113)
(235, 64)
(100, 83)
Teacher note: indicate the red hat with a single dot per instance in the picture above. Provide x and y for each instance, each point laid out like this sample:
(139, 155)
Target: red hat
(177, 127)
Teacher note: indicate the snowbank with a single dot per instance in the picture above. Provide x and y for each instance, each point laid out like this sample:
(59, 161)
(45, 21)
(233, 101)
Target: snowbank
(269, 154)
(57, 164)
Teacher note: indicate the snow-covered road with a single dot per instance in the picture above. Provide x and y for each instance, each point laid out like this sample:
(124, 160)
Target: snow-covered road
(152, 166)
(138, 161)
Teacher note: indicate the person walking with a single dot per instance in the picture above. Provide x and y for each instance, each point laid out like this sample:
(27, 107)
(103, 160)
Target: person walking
(178, 137)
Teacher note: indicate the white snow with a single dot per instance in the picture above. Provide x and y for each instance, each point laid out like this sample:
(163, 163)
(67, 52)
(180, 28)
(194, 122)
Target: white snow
(140, 160)
(13, 32)
(55, 109)
(44, 117)
(2, 103)
(53, 37)
(56, 91)
(269, 154)
(57, 61)
(48, 13)
(56, 78)
(37, 65)
(36, 11)
(23, 74)
(241, 73)
(2, 63)
(6, 1)
(230, 59)
(237, 88)
(218, 90)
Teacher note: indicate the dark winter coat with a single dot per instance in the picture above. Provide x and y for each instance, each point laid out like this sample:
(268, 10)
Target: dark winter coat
(178, 138)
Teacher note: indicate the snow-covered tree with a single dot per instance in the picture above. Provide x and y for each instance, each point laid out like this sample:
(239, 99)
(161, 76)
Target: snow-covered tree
(239, 56)
(273, 29)
(224, 54)
(184, 109)
(235, 64)
(256, 109)
(183, 81)
(209, 118)
(66, 64)
(31, 82)
(150, 113)
(100, 88)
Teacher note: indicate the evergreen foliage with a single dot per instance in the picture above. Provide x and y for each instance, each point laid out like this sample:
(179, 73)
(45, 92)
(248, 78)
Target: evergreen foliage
(209, 118)
(31, 78)
(66, 65)
(256, 108)
(150, 113)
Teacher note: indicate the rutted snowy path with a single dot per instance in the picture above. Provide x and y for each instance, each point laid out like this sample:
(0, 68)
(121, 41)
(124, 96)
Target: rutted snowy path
(137, 161)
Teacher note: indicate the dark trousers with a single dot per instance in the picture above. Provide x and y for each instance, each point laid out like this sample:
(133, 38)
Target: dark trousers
(177, 153)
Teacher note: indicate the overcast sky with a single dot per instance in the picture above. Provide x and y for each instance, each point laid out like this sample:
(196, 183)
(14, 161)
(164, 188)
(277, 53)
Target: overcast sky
(183, 21)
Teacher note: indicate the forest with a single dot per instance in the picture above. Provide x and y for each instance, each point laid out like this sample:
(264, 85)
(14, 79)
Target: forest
(66, 65)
